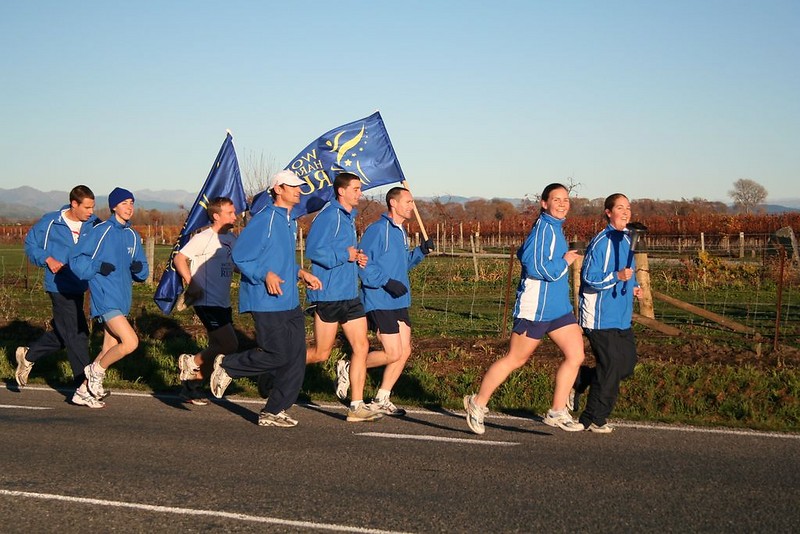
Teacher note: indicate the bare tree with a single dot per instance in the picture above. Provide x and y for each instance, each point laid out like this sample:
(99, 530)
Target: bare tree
(256, 172)
(747, 194)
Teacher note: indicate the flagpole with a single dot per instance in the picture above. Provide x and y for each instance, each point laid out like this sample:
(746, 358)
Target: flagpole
(416, 212)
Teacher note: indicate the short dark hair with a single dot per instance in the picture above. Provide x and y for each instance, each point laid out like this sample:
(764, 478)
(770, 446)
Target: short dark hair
(393, 193)
(79, 193)
(215, 206)
(343, 179)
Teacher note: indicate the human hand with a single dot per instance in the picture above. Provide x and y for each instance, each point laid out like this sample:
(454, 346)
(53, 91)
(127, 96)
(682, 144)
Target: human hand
(353, 254)
(625, 274)
(136, 266)
(53, 264)
(395, 288)
(274, 284)
(107, 268)
(571, 256)
(427, 246)
(637, 292)
(361, 259)
(311, 281)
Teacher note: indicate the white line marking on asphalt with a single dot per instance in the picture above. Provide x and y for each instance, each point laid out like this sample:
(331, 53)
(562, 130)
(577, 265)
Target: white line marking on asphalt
(193, 511)
(437, 438)
(641, 426)
(16, 406)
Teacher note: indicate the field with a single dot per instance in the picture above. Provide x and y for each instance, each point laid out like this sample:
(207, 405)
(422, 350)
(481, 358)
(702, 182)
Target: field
(707, 375)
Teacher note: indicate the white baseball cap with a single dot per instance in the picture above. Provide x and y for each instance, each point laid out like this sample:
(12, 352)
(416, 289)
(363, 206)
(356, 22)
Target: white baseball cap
(285, 177)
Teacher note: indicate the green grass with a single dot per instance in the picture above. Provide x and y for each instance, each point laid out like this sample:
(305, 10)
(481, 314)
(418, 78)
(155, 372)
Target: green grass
(450, 306)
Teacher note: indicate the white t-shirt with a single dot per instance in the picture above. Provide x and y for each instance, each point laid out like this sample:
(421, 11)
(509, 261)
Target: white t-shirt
(211, 265)
(74, 226)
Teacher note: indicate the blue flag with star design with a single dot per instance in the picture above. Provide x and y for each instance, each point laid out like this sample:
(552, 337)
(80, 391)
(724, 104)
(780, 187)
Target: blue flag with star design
(361, 147)
(224, 180)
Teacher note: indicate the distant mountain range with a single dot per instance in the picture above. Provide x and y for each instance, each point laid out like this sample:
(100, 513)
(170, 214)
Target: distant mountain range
(25, 203)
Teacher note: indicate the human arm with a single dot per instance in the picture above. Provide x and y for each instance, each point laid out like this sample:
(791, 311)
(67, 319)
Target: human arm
(544, 255)
(181, 263)
(322, 246)
(139, 267)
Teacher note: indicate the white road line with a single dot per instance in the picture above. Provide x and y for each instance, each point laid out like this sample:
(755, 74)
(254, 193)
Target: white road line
(491, 416)
(18, 407)
(437, 438)
(193, 511)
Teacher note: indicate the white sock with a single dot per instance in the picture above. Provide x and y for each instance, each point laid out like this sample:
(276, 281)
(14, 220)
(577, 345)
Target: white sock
(355, 404)
(97, 369)
(382, 395)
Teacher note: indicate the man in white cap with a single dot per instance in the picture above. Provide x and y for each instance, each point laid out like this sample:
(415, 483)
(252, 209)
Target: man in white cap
(265, 255)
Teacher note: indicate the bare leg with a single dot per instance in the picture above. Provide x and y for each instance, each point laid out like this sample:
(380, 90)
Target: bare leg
(398, 347)
(324, 338)
(356, 333)
(570, 340)
(119, 340)
(520, 350)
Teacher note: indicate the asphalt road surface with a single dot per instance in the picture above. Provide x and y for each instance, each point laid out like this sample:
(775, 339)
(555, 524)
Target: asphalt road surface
(152, 464)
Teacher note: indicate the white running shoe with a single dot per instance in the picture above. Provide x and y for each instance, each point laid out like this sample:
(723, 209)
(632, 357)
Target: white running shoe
(220, 380)
(562, 420)
(475, 414)
(605, 429)
(342, 378)
(364, 412)
(387, 407)
(94, 382)
(280, 419)
(83, 398)
(188, 368)
(23, 367)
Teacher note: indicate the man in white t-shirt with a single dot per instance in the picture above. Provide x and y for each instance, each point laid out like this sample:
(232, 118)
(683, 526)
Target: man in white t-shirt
(206, 266)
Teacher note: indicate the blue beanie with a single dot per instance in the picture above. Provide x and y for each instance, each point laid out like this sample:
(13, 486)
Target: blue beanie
(117, 196)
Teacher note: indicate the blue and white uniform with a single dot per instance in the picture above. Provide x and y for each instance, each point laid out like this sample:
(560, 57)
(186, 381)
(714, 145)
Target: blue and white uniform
(543, 291)
(332, 233)
(120, 245)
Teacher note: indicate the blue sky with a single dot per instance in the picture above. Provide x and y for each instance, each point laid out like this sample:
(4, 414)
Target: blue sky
(662, 100)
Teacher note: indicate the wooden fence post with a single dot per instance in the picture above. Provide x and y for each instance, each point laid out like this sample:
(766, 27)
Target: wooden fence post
(575, 272)
(643, 278)
(741, 245)
(149, 249)
(474, 256)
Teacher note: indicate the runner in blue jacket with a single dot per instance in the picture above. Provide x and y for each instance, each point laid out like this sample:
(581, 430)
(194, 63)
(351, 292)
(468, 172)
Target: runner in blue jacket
(336, 260)
(110, 257)
(542, 307)
(265, 253)
(386, 291)
(608, 285)
(49, 244)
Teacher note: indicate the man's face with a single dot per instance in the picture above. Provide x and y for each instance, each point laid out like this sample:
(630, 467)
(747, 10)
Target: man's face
(287, 195)
(226, 217)
(82, 211)
(404, 205)
(350, 195)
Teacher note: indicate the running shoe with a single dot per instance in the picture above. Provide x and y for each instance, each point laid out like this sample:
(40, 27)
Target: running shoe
(219, 378)
(364, 412)
(342, 378)
(187, 366)
(83, 398)
(192, 393)
(387, 407)
(605, 429)
(94, 382)
(475, 414)
(280, 419)
(562, 420)
(23, 367)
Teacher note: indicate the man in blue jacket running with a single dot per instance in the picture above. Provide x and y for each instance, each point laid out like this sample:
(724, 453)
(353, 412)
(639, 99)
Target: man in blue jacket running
(386, 291)
(48, 244)
(265, 255)
(336, 260)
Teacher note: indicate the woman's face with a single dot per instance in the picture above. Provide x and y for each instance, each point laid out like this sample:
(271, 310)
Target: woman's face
(557, 204)
(620, 214)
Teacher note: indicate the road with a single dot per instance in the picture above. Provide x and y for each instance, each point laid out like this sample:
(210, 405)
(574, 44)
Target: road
(147, 463)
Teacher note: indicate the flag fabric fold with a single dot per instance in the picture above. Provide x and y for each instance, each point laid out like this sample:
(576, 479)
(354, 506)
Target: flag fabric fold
(361, 147)
(224, 180)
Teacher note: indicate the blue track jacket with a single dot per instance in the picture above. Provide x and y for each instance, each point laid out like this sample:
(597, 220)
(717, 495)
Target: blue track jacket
(605, 300)
(333, 230)
(117, 244)
(267, 244)
(543, 292)
(51, 236)
(386, 246)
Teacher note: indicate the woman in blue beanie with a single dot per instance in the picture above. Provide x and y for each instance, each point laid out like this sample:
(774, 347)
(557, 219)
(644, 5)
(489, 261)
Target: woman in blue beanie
(110, 257)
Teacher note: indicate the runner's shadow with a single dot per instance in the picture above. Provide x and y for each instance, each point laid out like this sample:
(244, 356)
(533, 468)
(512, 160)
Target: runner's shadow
(237, 409)
(319, 409)
(465, 430)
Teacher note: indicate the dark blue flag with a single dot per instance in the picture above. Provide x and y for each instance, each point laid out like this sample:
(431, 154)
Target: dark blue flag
(224, 180)
(361, 147)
